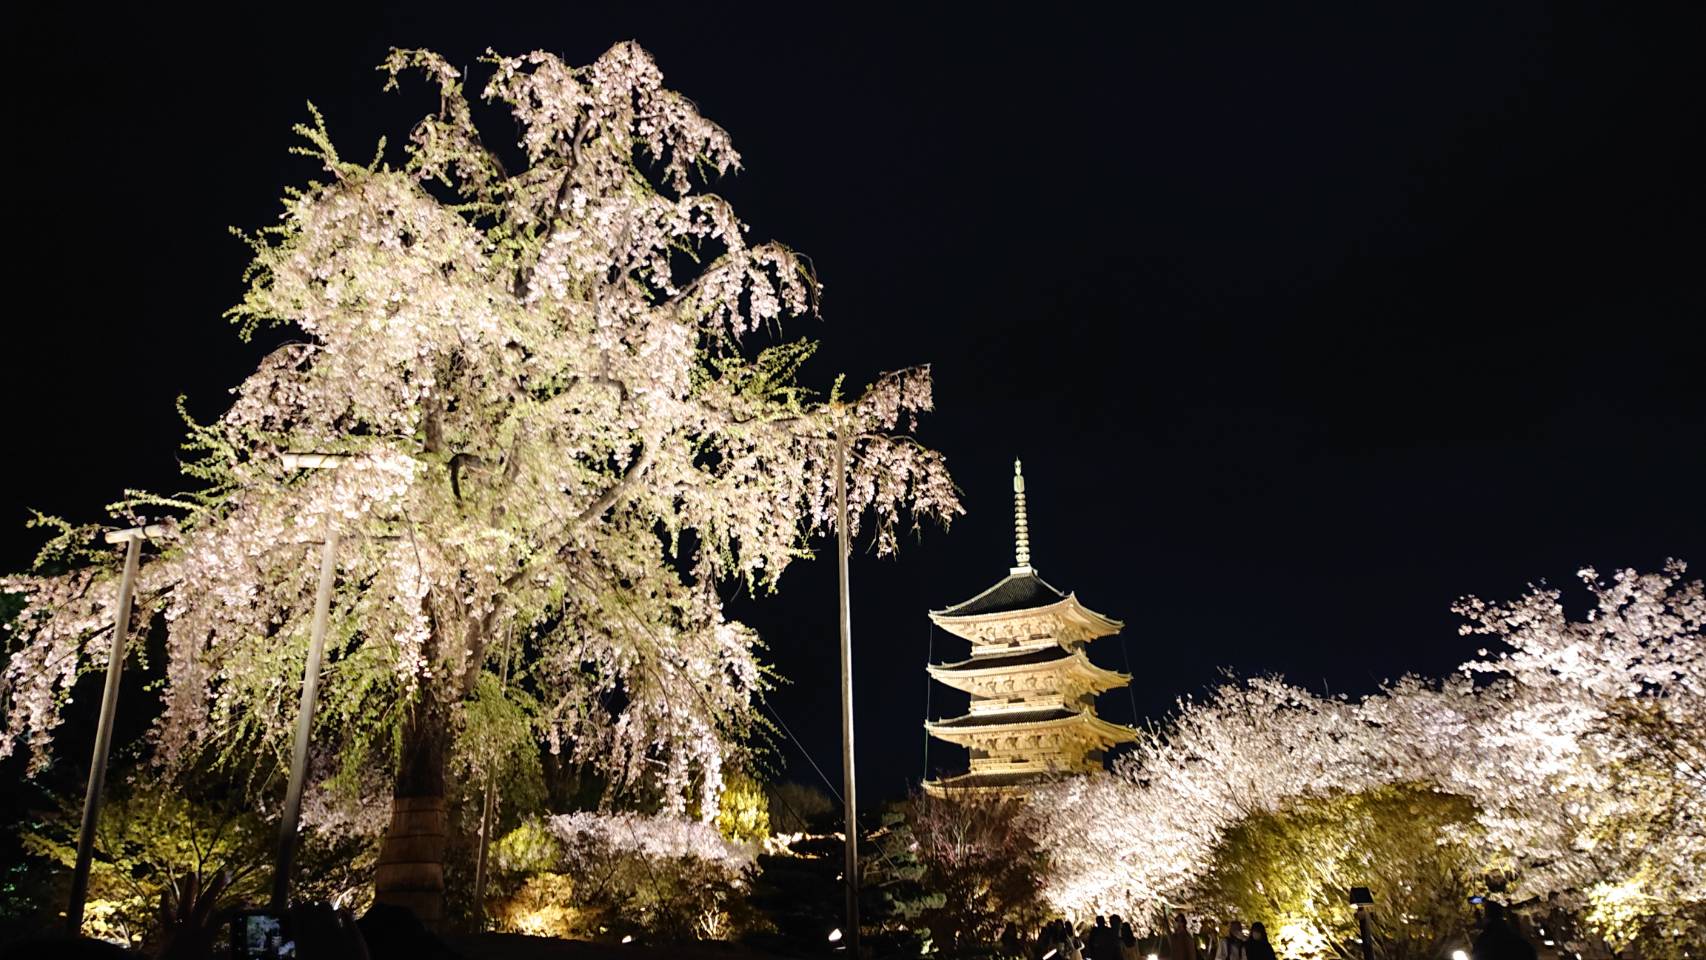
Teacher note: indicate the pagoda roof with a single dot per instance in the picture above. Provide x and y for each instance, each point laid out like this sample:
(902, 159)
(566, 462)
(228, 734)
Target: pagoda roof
(1007, 719)
(1017, 591)
(1022, 596)
(973, 723)
(966, 674)
(976, 781)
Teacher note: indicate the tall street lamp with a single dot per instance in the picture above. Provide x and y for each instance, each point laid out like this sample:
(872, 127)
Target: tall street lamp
(132, 539)
(850, 812)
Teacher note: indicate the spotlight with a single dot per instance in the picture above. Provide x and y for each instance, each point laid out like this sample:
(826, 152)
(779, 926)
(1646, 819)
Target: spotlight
(835, 935)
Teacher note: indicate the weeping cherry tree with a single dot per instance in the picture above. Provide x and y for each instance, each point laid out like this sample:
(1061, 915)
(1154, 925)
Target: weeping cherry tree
(557, 434)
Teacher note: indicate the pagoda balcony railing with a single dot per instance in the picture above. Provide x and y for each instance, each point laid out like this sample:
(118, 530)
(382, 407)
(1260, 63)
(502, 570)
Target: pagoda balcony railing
(1015, 704)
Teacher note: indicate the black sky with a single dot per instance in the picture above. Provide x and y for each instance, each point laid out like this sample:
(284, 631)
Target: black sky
(1304, 324)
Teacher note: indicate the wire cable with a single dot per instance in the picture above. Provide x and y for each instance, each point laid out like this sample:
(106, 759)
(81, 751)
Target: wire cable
(929, 661)
(802, 748)
(1128, 691)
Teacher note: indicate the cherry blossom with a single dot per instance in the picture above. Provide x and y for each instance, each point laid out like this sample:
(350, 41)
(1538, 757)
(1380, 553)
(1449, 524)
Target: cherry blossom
(564, 418)
(1580, 741)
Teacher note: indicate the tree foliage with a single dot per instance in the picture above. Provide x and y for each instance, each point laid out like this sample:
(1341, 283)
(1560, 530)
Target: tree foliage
(798, 807)
(163, 861)
(547, 375)
(981, 868)
(1578, 743)
(743, 812)
(1294, 869)
(593, 876)
(167, 862)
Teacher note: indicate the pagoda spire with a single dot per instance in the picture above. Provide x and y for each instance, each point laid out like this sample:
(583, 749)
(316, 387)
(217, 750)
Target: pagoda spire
(1021, 525)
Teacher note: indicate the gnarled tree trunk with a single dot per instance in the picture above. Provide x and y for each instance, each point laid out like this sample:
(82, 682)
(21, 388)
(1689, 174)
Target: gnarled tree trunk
(411, 856)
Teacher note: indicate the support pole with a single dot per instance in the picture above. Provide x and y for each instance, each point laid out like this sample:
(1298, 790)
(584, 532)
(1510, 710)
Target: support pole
(1362, 928)
(104, 730)
(486, 812)
(304, 726)
(847, 787)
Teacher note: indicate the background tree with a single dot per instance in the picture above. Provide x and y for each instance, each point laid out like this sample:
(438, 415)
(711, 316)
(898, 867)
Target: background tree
(1134, 842)
(743, 811)
(798, 807)
(656, 878)
(1597, 733)
(165, 864)
(1579, 744)
(169, 859)
(537, 365)
(979, 856)
(1294, 869)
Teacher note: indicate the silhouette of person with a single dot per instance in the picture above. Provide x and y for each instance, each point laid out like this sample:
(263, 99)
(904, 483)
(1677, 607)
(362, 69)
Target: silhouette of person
(1258, 947)
(1180, 944)
(1499, 939)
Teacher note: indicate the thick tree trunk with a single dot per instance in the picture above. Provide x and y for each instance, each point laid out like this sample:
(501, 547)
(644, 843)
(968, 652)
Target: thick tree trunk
(411, 857)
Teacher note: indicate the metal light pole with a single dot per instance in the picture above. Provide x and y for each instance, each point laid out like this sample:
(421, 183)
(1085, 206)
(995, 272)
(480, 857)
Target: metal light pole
(1363, 901)
(486, 811)
(132, 539)
(847, 787)
(310, 690)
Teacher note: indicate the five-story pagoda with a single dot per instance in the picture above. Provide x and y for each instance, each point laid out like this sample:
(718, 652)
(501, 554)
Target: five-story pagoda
(1033, 688)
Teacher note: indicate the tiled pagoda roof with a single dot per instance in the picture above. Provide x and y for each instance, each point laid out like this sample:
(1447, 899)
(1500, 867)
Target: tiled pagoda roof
(1025, 658)
(1003, 719)
(1018, 591)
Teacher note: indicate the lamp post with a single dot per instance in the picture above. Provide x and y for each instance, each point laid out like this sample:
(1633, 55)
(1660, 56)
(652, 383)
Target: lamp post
(1363, 900)
(846, 618)
(132, 539)
(310, 690)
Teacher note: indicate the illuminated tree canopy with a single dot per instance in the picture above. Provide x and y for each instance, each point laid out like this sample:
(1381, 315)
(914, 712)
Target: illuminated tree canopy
(541, 367)
(1580, 745)
(1294, 868)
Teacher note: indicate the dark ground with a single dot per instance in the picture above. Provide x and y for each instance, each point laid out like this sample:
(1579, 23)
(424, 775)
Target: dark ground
(511, 946)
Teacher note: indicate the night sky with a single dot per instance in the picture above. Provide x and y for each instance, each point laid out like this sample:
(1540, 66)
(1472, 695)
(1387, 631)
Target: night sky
(1304, 326)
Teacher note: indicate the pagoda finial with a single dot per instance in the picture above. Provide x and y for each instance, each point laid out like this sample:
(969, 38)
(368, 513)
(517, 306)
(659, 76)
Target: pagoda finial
(1021, 525)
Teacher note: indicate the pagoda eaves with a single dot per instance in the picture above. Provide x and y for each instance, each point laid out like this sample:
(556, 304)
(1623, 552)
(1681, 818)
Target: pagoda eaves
(1050, 672)
(1063, 619)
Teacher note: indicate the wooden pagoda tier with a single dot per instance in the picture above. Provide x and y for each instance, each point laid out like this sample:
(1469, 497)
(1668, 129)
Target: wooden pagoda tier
(1033, 687)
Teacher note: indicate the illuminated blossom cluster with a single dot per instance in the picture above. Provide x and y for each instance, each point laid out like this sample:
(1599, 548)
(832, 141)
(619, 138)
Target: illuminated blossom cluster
(557, 426)
(1132, 842)
(1581, 742)
(658, 838)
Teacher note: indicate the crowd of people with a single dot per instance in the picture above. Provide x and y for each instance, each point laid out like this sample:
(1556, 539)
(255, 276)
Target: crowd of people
(1111, 938)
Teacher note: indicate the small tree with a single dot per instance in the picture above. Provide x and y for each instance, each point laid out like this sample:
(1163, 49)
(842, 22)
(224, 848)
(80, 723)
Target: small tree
(979, 856)
(165, 864)
(658, 877)
(529, 893)
(798, 807)
(540, 367)
(743, 812)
